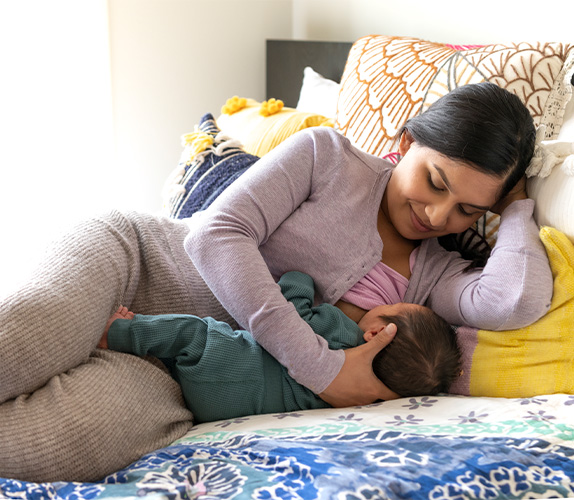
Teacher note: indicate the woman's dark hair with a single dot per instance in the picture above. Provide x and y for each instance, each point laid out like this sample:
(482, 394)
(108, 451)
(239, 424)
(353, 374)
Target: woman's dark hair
(423, 358)
(484, 126)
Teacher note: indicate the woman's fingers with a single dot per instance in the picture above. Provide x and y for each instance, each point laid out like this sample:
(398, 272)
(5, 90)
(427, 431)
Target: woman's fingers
(382, 339)
(356, 384)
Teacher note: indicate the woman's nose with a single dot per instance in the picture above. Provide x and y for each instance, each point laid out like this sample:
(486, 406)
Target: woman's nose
(437, 214)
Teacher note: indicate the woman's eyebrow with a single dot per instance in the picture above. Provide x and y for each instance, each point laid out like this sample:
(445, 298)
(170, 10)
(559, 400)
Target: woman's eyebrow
(443, 176)
(449, 186)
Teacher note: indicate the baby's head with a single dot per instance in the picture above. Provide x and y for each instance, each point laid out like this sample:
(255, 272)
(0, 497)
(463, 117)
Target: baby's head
(423, 358)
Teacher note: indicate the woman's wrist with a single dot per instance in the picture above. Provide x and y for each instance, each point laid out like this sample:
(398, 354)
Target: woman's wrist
(516, 194)
(518, 206)
(509, 202)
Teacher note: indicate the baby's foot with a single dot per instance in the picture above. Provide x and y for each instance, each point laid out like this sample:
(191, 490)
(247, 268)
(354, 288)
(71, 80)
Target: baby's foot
(122, 313)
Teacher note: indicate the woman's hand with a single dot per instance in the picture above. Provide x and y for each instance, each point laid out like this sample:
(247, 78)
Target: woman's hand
(518, 192)
(356, 384)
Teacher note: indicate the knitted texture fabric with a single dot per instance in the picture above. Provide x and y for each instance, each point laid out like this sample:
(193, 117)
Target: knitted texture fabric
(202, 176)
(91, 421)
(70, 411)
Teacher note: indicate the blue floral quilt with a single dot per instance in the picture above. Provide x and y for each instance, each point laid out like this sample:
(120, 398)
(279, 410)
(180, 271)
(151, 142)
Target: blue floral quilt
(445, 447)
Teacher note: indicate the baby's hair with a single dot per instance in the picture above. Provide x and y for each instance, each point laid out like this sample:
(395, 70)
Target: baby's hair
(423, 358)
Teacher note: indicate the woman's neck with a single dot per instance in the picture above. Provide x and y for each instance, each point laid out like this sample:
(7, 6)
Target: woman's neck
(396, 248)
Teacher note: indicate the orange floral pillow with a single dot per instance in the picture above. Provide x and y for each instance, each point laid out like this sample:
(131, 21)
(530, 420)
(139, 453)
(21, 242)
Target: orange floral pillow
(390, 79)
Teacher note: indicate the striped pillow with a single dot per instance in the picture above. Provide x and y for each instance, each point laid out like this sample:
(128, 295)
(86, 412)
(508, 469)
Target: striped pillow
(209, 163)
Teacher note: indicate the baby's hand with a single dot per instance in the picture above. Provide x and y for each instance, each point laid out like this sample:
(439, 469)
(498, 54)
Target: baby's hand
(121, 313)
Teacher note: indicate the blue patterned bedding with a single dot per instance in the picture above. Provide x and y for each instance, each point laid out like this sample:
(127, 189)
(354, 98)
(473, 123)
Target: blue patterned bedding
(445, 447)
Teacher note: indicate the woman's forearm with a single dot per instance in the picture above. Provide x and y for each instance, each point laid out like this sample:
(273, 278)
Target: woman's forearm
(223, 244)
(515, 287)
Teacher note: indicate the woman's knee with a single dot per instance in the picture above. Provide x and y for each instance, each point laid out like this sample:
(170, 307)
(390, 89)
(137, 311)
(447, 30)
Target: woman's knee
(91, 421)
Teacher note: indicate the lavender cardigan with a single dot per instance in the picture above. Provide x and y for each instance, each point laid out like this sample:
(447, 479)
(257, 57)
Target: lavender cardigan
(311, 205)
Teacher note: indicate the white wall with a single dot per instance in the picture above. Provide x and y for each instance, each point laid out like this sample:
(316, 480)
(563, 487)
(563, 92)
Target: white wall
(448, 21)
(56, 123)
(165, 62)
(173, 61)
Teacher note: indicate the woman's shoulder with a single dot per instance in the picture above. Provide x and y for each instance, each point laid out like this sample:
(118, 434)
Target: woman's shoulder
(322, 138)
(333, 145)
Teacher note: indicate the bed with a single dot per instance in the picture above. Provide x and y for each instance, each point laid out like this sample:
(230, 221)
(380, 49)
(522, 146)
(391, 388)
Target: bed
(506, 429)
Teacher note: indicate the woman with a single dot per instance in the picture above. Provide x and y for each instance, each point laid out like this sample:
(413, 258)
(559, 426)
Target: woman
(462, 157)
(315, 204)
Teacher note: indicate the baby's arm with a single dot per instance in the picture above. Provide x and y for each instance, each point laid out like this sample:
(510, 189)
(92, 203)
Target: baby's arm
(299, 289)
(326, 320)
(167, 336)
(121, 313)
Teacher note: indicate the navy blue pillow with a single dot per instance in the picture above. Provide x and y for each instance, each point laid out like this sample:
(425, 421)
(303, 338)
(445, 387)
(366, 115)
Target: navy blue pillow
(209, 173)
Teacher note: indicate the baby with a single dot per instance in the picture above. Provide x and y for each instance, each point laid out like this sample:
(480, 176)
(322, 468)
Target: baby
(224, 373)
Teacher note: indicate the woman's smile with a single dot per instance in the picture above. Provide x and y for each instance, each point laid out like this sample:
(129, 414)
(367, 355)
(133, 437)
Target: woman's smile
(430, 195)
(418, 224)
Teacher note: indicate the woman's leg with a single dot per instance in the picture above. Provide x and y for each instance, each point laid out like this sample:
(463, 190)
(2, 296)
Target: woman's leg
(51, 326)
(91, 421)
(51, 323)
(54, 322)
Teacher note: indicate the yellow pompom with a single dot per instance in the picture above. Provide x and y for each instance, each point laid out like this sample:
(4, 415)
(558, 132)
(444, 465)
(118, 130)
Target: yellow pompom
(271, 107)
(233, 105)
(196, 142)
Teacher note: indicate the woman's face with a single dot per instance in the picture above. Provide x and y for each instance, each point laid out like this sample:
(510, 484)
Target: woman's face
(429, 195)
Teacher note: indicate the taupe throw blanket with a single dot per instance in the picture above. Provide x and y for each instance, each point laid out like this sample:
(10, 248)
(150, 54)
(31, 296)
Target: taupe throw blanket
(68, 410)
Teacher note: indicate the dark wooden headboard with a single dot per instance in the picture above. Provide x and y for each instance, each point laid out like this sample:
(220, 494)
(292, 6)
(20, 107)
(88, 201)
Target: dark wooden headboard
(286, 60)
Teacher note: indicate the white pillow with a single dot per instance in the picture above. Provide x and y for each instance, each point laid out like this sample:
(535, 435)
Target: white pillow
(554, 194)
(567, 130)
(318, 94)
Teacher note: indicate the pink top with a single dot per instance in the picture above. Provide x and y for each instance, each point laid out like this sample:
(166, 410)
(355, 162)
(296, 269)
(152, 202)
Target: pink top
(381, 285)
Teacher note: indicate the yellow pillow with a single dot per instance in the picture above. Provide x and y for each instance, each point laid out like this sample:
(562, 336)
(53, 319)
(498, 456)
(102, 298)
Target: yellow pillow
(538, 359)
(260, 134)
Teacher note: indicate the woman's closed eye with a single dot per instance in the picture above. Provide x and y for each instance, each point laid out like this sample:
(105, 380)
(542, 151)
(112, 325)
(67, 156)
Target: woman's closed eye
(440, 189)
(432, 185)
(465, 213)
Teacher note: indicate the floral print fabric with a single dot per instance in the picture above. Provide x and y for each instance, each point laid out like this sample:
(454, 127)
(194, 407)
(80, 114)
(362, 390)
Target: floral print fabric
(449, 447)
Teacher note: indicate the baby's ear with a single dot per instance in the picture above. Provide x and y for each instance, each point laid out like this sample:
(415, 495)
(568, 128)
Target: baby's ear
(369, 335)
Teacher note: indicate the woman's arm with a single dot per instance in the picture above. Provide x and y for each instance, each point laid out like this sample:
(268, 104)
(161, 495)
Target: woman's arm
(223, 244)
(513, 290)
